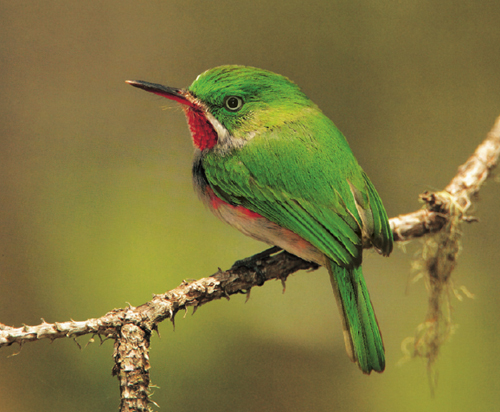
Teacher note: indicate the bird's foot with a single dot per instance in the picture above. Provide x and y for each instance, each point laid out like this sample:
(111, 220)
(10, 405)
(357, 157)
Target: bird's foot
(254, 263)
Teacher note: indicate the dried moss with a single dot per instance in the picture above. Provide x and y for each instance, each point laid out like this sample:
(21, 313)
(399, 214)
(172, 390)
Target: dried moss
(435, 265)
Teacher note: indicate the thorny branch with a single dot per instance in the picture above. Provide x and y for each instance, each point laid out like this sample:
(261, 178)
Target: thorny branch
(131, 327)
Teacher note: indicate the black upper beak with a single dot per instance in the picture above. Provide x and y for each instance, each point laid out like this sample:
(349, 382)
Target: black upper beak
(172, 93)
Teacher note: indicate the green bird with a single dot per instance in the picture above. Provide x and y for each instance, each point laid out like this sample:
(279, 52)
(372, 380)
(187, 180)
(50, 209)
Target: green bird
(271, 164)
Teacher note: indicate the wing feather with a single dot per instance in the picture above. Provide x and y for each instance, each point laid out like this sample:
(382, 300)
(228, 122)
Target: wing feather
(302, 178)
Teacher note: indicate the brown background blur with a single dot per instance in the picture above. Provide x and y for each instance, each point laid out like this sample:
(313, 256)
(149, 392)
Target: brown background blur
(97, 209)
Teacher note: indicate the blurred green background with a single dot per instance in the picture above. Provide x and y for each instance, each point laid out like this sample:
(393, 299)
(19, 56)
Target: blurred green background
(97, 209)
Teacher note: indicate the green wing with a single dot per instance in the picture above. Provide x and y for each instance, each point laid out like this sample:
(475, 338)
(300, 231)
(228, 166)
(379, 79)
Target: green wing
(307, 180)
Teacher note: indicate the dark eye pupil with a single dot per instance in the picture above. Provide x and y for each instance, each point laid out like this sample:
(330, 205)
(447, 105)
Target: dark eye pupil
(232, 103)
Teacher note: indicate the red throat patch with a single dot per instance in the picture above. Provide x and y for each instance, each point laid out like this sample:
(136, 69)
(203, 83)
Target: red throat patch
(202, 131)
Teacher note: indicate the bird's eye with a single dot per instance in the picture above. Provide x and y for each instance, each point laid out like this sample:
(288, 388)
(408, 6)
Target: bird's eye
(233, 103)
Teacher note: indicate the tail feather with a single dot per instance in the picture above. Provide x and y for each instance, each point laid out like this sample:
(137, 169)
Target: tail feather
(362, 336)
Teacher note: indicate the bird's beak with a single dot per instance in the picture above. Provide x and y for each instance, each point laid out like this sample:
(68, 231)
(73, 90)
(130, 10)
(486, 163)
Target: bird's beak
(172, 93)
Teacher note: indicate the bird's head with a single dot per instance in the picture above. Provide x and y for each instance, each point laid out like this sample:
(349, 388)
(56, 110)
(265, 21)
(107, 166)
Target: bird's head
(228, 105)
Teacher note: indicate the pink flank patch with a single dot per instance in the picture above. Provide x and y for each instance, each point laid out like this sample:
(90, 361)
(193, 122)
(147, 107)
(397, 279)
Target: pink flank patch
(216, 202)
(204, 135)
(300, 243)
(247, 212)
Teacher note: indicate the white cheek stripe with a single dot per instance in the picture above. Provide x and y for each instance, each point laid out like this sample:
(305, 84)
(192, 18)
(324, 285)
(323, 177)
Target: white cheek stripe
(222, 132)
(226, 142)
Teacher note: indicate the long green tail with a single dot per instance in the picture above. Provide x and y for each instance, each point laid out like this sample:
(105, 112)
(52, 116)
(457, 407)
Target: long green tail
(361, 333)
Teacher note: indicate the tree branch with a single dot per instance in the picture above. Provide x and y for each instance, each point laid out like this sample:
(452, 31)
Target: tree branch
(131, 327)
(467, 182)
